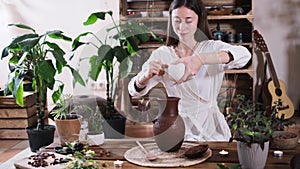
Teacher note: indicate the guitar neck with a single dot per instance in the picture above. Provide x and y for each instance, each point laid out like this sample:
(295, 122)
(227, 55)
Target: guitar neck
(272, 70)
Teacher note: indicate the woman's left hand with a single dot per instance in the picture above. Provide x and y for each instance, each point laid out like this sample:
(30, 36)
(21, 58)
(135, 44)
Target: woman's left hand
(192, 66)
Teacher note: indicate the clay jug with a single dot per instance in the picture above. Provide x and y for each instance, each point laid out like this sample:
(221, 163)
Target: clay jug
(169, 127)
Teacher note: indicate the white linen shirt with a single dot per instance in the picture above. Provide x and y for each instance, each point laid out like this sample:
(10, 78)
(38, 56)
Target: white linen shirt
(198, 104)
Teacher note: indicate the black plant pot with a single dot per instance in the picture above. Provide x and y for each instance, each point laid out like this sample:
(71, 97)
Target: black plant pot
(114, 128)
(38, 139)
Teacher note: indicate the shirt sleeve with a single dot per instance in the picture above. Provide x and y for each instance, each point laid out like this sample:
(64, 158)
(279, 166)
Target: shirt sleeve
(241, 54)
(150, 84)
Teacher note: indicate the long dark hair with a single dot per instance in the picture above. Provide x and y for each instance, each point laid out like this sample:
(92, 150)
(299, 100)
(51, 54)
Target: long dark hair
(198, 7)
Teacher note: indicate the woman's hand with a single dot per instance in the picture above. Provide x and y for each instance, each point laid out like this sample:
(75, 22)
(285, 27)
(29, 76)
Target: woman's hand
(156, 67)
(192, 66)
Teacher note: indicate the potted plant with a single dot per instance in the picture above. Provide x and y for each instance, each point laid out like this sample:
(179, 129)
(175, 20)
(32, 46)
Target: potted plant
(252, 128)
(95, 135)
(32, 53)
(128, 35)
(68, 119)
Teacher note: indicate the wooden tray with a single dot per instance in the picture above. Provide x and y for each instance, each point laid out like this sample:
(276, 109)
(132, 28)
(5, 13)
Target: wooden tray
(23, 163)
(175, 159)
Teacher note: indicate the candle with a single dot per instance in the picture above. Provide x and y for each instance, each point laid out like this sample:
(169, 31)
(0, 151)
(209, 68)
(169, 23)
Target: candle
(278, 153)
(223, 153)
(118, 163)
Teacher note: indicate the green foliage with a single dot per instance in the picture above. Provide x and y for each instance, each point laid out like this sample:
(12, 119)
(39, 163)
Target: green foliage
(128, 36)
(82, 159)
(32, 54)
(249, 123)
(221, 166)
(66, 109)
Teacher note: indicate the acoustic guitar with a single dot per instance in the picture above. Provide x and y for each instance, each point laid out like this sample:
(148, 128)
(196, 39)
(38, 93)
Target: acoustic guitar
(276, 87)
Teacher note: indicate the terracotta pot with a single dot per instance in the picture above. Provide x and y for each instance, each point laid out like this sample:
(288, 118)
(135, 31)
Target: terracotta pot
(68, 129)
(169, 127)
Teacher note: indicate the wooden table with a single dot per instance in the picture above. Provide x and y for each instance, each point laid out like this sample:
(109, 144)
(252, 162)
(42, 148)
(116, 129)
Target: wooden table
(118, 147)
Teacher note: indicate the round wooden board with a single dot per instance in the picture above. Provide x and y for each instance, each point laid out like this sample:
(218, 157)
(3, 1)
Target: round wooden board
(174, 159)
(23, 163)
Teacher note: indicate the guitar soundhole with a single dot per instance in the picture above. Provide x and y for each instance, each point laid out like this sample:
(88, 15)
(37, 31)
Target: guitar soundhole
(278, 92)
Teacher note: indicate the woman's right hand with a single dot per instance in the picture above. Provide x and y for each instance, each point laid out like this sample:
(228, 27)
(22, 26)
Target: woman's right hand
(156, 67)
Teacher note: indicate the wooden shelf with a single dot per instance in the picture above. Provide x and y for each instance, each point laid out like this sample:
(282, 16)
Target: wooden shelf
(150, 45)
(236, 71)
(228, 23)
(156, 45)
(250, 44)
(220, 17)
(231, 71)
(165, 19)
(144, 19)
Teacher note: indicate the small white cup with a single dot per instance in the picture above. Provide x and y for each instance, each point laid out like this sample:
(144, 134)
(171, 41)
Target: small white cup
(278, 153)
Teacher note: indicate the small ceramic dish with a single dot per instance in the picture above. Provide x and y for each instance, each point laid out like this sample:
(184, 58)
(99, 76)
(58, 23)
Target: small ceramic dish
(196, 151)
(278, 153)
(165, 13)
(155, 13)
(144, 14)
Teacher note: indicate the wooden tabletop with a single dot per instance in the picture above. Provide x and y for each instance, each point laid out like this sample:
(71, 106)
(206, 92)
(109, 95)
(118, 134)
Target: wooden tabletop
(119, 147)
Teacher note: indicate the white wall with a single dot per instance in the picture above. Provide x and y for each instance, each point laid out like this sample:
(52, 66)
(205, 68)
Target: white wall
(278, 21)
(44, 15)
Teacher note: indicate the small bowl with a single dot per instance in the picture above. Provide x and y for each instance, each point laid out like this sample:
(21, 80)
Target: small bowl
(196, 151)
(144, 14)
(284, 140)
(155, 13)
(165, 13)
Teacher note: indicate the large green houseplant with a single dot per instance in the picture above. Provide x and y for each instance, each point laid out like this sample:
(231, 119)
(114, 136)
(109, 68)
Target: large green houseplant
(127, 35)
(33, 54)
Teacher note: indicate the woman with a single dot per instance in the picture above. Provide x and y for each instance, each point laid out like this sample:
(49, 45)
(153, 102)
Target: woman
(192, 68)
